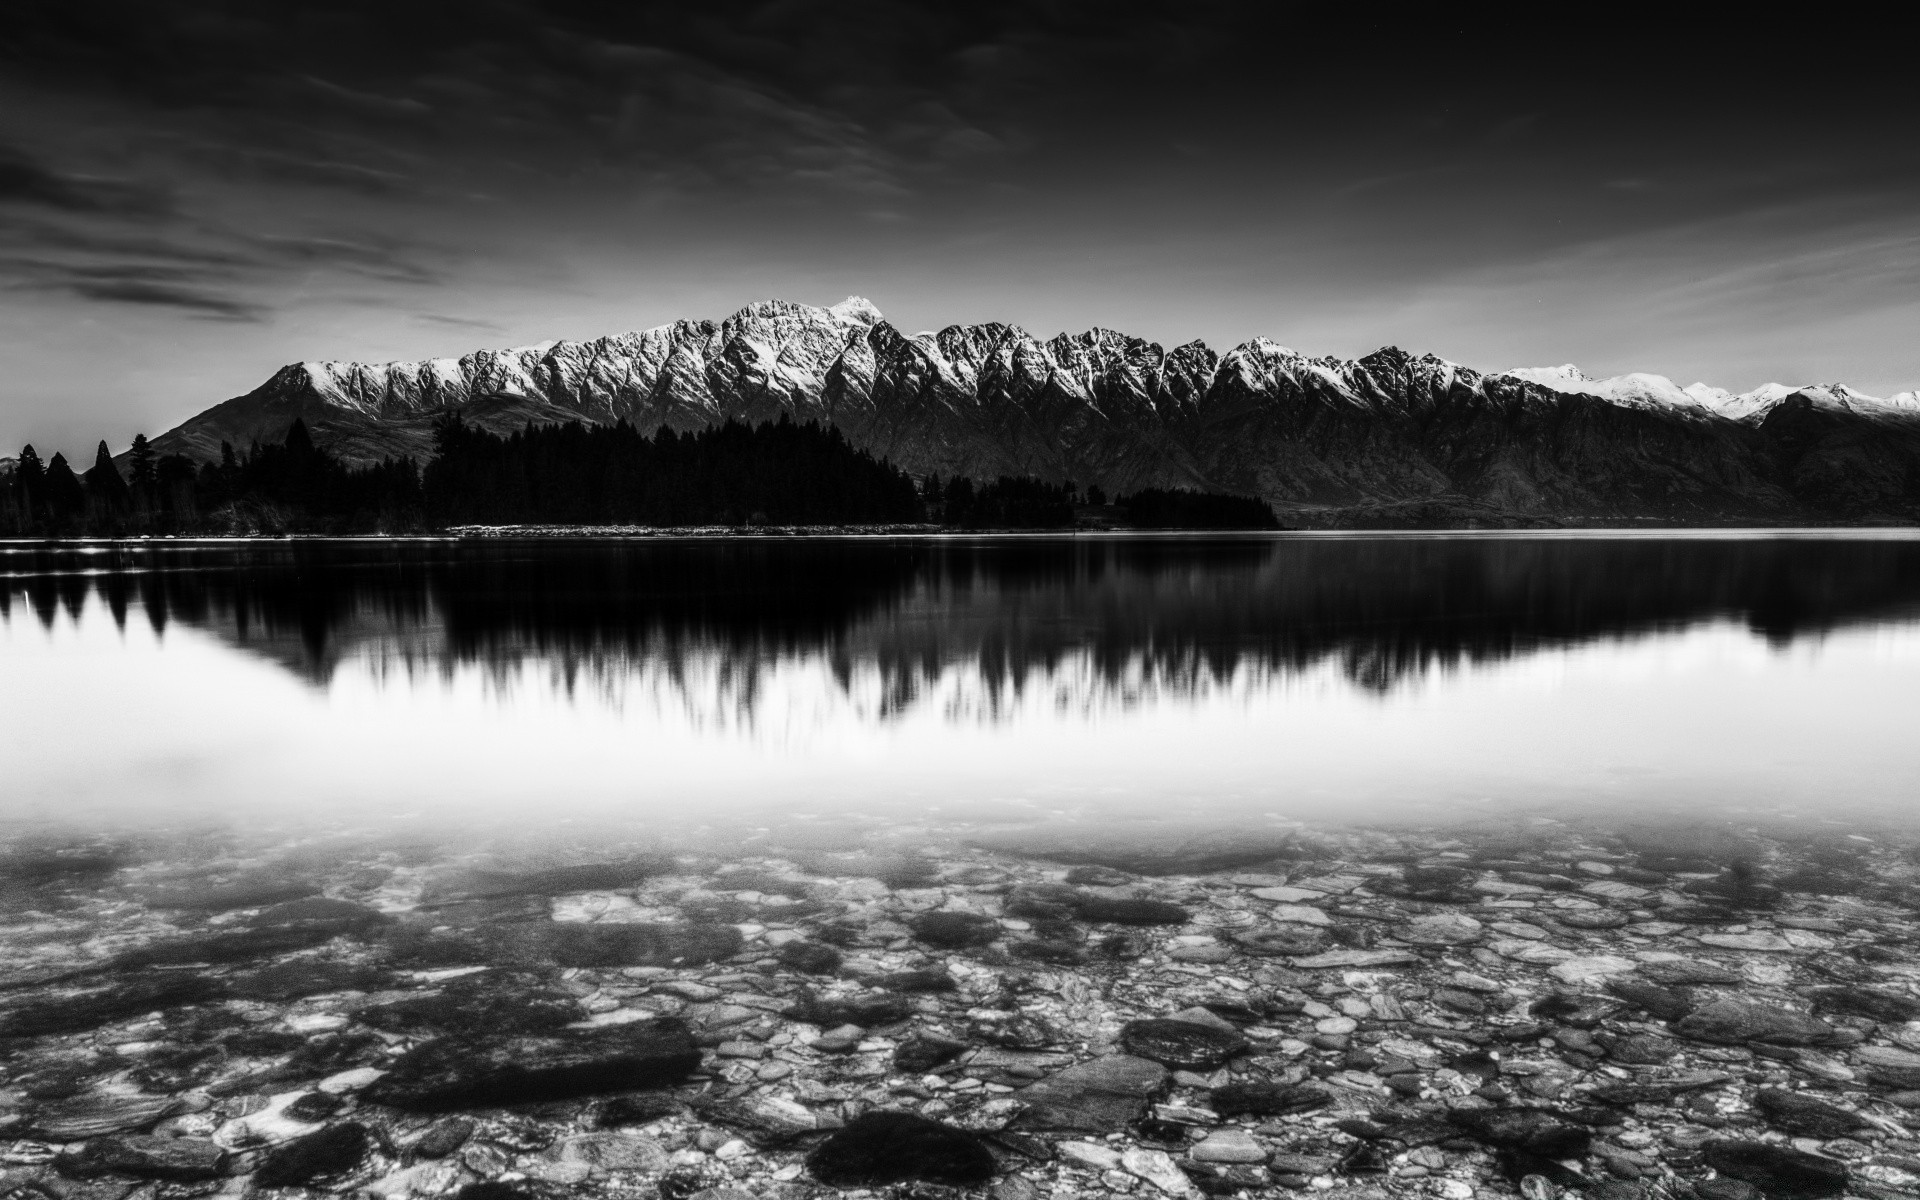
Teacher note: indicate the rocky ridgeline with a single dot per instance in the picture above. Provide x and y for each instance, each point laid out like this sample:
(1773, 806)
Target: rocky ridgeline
(1398, 438)
(1363, 1014)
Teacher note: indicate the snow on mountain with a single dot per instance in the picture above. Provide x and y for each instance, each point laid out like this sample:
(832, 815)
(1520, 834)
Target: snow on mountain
(1100, 406)
(1644, 389)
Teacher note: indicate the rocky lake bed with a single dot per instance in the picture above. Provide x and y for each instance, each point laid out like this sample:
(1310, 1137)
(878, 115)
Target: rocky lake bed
(1534, 1010)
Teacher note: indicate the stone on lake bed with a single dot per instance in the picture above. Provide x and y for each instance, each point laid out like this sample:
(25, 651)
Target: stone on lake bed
(324, 1154)
(92, 1114)
(880, 1148)
(571, 944)
(1182, 1044)
(178, 1160)
(1876, 1004)
(1890, 1066)
(611, 1151)
(1091, 1155)
(1281, 941)
(1333, 959)
(1102, 1096)
(1440, 929)
(1780, 1172)
(1228, 1146)
(459, 1073)
(1299, 914)
(1730, 1021)
(1804, 1116)
(1265, 1099)
(955, 930)
(1287, 895)
(1592, 969)
(1125, 911)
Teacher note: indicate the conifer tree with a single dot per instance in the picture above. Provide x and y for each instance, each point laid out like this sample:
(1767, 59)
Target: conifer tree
(105, 487)
(65, 498)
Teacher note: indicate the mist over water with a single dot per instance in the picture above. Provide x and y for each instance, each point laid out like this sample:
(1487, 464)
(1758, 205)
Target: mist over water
(1043, 688)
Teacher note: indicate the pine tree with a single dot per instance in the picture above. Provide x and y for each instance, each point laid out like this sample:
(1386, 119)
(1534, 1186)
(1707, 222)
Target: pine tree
(142, 459)
(105, 487)
(64, 496)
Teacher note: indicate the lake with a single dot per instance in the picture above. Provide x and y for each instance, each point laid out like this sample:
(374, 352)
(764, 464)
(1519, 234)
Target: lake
(1160, 866)
(1028, 681)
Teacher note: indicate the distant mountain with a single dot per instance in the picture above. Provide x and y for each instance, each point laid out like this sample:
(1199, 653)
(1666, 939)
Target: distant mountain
(1387, 439)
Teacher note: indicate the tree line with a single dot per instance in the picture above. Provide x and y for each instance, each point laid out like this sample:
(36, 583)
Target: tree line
(776, 473)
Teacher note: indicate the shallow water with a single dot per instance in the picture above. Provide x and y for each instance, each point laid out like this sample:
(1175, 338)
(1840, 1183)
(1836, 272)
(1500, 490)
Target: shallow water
(1426, 866)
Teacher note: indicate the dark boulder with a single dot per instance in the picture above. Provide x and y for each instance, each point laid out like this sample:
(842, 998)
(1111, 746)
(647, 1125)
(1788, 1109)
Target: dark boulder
(178, 1160)
(1102, 1096)
(1112, 911)
(916, 981)
(1540, 1134)
(77, 1013)
(1267, 1099)
(1732, 1021)
(460, 1073)
(1665, 1004)
(1805, 1116)
(1875, 1004)
(1183, 1045)
(880, 1148)
(490, 1003)
(1781, 1172)
(808, 958)
(918, 1055)
(955, 930)
(325, 1154)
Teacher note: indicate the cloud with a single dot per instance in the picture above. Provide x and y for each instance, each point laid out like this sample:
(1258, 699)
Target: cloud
(385, 260)
(453, 322)
(164, 295)
(24, 180)
(197, 291)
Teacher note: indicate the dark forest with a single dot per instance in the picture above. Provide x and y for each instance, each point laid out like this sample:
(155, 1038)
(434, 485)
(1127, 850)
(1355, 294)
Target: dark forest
(775, 474)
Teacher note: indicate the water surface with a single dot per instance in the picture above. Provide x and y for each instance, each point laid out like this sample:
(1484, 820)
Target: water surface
(1038, 683)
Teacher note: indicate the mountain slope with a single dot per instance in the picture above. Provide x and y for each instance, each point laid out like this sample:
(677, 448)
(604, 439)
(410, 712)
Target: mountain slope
(1389, 438)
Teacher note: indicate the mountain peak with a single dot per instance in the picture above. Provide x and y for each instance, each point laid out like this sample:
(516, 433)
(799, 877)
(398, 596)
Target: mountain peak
(857, 310)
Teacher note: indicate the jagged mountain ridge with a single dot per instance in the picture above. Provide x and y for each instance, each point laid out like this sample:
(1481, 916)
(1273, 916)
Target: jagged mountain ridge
(1390, 436)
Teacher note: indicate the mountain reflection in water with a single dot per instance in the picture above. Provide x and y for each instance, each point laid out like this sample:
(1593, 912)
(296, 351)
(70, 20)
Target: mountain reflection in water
(1181, 613)
(1091, 680)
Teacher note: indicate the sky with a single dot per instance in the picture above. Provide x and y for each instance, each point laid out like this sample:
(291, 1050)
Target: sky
(195, 193)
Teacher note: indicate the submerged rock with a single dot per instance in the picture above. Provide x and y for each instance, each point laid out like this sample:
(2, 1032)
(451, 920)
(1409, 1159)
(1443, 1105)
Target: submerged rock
(1876, 1004)
(458, 1073)
(179, 1160)
(881, 1148)
(1780, 1172)
(572, 944)
(1102, 1096)
(1806, 1116)
(1183, 1045)
(955, 930)
(1732, 1020)
(79, 1012)
(1267, 1099)
(325, 1154)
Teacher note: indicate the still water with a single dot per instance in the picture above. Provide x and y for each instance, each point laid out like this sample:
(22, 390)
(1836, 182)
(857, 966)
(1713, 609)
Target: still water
(1073, 688)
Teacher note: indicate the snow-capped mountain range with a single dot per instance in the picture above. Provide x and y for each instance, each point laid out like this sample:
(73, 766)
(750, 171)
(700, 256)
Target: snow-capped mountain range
(1642, 388)
(1312, 434)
